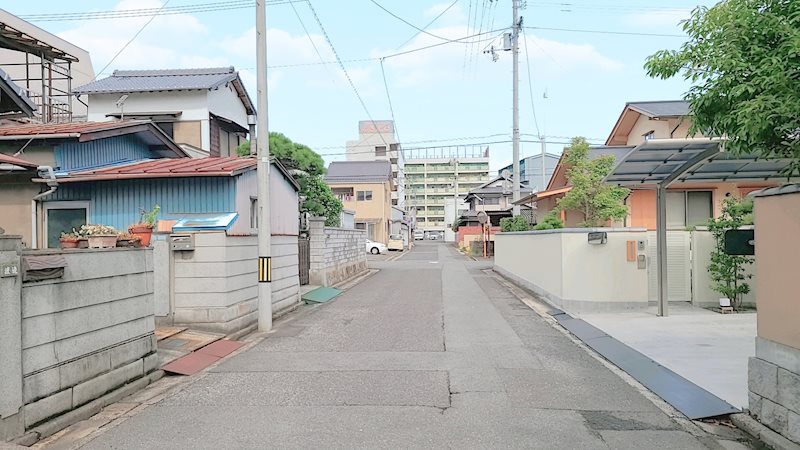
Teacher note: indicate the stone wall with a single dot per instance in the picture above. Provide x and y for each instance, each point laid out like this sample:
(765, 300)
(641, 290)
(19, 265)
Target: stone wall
(337, 254)
(71, 341)
(216, 284)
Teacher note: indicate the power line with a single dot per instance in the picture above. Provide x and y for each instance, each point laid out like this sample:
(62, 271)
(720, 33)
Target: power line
(131, 40)
(429, 24)
(145, 12)
(421, 30)
(530, 83)
(623, 33)
(308, 35)
(475, 144)
(341, 65)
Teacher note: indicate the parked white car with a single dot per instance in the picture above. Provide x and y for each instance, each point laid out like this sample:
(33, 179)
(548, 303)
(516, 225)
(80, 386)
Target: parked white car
(419, 235)
(376, 248)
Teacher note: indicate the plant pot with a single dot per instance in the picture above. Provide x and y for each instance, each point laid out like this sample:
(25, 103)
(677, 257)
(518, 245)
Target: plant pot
(142, 232)
(103, 241)
(72, 243)
(83, 243)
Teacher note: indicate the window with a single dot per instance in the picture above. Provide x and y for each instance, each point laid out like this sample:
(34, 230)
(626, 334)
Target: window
(343, 194)
(689, 208)
(649, 135)
(254, 213)
(63, 217)
(491, 200)
(380, 151)
(362, 196)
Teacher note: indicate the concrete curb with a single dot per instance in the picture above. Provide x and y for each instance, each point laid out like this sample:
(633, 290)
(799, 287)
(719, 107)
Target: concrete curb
(762, 432)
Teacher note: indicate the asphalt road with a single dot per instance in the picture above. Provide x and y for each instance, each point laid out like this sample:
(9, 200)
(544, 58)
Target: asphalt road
(430, 352)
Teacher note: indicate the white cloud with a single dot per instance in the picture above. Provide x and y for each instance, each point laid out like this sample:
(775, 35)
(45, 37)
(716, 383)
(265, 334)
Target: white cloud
(658, 18)
(104, 38)
(453, 15)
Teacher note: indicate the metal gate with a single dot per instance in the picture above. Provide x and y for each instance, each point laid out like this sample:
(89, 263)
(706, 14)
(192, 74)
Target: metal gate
(304, 252)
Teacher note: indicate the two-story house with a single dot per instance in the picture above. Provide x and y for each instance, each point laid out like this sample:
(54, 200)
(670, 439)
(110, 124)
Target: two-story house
(366, 188)
(203, 110)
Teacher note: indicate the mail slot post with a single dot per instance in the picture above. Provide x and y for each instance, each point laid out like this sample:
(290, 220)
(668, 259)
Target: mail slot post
(181, 242)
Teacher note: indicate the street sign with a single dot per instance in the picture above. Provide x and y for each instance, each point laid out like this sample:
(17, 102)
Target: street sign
(740, 242)
(482, 217)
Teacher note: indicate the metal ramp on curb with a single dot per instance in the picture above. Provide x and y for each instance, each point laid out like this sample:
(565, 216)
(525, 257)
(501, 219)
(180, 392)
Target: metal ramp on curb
(184, 352)
(688, 398)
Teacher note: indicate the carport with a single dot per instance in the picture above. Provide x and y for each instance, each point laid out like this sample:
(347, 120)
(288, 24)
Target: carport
(658, 163)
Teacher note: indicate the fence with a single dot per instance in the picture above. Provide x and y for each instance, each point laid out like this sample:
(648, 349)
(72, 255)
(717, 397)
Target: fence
(215, 286)
(73, 340)
(337, 254)
(565, 268)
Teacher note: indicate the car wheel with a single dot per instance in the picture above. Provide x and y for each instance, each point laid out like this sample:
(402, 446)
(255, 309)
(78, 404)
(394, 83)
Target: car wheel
(375, 251)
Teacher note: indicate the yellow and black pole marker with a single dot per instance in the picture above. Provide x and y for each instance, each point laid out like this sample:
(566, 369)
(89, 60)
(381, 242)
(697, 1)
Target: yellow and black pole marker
(264, 269)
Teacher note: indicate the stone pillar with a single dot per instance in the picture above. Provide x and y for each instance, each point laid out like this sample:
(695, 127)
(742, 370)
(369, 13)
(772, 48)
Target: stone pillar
(11, 421)
(774, 372)
(317, 274)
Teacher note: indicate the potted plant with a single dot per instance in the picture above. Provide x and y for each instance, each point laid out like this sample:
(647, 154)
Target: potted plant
(69, 240)
(100, 236)
(127, 240)
(144, 229)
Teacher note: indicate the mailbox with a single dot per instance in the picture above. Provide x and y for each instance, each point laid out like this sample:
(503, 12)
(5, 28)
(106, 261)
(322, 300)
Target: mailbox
(181, 242)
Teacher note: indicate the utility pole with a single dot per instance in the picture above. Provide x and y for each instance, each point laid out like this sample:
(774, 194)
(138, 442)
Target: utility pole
(262, 174)
(515, 127)
(544, 176)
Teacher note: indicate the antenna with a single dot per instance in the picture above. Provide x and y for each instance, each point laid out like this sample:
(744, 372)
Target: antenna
(121, 105)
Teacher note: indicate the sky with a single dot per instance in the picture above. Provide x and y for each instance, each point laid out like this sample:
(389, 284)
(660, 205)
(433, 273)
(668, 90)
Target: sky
(581, 76)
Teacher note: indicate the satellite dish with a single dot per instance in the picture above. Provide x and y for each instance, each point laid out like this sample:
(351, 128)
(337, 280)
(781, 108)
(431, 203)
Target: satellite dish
(482, 217)
(506, 174)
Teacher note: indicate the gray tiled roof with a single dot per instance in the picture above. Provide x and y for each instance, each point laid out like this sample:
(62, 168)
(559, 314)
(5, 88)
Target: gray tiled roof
(14, 98)
(122, 81)
(666, 108)
(359, 172)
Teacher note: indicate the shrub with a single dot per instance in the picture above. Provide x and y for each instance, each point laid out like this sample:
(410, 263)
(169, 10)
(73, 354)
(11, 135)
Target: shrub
(516, 223)
(550, 222)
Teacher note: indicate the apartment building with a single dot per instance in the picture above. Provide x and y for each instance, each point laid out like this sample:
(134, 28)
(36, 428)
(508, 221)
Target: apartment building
(533, 173)
(377, 141)
(435, 177)
(365, 187)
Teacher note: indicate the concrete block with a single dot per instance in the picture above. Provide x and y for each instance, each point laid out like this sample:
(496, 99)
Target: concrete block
(191, 315)
(38, 330)
(793, 428)
(131, 351)
(96, 387)
(150, 362)
(40, 385)
(778, 354)
(40, 299)
(84, 368)
(47, 407)
(774, 416)
(754, 404)
(11, 427)
(789, 389)
(763, 378)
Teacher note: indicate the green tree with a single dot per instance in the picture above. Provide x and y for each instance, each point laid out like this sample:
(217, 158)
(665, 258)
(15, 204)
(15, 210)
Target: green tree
(307, 167)
(728, 271)
(550, 221)
(319, 199)
(590, 195)
(743, 59)
(516, 223)
(296, 157)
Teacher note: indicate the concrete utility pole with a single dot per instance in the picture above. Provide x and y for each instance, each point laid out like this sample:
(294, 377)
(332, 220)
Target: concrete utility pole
(544, 176)
(262, 174)
(515, 127)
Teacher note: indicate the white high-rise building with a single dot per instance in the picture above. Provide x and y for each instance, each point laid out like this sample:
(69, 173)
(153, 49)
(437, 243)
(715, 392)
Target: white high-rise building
(378, 141)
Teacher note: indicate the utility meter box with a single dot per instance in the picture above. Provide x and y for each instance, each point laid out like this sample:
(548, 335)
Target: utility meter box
(181, 242)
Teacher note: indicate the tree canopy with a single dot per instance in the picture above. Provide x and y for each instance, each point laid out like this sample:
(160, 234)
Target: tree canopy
(307, 167)
(291, 154)
(743, 60)
(597, 201)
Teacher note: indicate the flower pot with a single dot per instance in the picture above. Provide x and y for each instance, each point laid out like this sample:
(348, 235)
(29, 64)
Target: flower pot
(142, 232)
(83, 243)
(103, 241)
(70, 243)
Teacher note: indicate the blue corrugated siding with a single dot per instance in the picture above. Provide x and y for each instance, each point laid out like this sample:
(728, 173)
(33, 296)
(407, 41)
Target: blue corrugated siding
(117, 203)
(80, 155)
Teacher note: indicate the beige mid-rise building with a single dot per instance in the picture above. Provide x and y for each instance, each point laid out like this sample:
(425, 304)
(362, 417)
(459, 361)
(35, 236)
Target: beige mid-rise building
(377, 141)
(365, 187)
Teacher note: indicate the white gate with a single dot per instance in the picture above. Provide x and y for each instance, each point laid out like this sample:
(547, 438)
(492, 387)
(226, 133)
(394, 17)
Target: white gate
(679, 263)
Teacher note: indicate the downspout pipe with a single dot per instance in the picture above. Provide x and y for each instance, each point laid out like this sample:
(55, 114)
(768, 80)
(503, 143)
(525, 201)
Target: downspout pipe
(50, 176)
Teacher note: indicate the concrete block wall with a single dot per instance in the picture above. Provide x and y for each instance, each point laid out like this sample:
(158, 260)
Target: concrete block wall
(774, 387)
(337, 254)
(216, 285)
(80, 336)
(562, 267)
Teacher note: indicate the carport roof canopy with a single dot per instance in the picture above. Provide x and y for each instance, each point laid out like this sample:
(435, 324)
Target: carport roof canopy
(660, 162)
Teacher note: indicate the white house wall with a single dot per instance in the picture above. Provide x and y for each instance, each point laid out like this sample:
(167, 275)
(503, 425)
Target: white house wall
(285, 212)
(224, 102)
